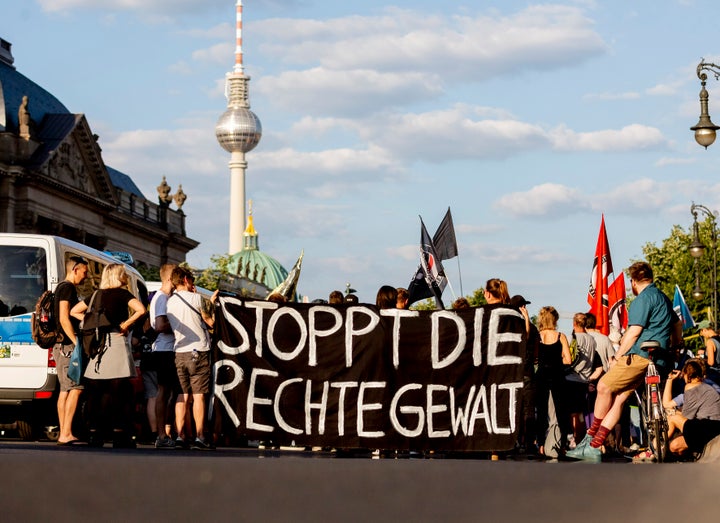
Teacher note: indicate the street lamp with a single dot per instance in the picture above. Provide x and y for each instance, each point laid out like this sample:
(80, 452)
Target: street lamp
(697, 249)
(705, 129)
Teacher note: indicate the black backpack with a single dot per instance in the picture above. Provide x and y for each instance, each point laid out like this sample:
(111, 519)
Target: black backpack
(95, 326)
(43, 322)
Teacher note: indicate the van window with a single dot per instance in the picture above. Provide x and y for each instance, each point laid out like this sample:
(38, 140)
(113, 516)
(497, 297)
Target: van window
(23, 278)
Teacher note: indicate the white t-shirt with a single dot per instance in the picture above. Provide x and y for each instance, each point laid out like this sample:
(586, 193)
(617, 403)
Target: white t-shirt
(165, 341)
(186, 322)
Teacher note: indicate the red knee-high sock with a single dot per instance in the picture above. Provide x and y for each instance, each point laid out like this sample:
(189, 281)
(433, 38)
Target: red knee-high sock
(599, 437)
(594, 427)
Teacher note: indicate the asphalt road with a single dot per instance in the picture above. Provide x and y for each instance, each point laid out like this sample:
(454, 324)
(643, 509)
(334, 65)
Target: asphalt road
(46, 483)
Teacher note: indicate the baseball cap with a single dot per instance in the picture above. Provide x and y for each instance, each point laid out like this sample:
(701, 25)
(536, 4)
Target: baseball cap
(518, 301)
(705, 324)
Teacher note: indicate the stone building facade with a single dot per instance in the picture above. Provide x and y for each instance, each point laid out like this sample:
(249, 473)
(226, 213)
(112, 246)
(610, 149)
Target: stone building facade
(53, 180)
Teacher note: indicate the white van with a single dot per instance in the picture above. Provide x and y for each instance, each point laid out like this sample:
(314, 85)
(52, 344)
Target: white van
(29, 265)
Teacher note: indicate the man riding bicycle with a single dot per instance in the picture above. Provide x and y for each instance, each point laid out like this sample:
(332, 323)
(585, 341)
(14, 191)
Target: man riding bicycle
(650, 318)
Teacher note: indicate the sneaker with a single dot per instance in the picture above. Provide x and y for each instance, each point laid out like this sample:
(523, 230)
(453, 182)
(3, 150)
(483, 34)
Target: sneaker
(181, 443)
(164, 443)
(201, 444)
(586, 453)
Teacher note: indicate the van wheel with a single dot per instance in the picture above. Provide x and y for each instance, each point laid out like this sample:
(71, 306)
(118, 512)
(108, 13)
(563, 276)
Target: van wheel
(24, 430)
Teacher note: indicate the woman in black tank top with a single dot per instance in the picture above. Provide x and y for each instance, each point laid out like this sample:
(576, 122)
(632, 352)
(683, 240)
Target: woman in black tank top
(553, 355)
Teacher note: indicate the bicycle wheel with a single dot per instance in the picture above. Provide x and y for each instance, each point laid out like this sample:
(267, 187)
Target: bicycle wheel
(658, 439)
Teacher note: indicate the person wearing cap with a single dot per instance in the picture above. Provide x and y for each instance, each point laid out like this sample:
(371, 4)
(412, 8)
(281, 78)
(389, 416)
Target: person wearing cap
(528, 426)
(712, 342)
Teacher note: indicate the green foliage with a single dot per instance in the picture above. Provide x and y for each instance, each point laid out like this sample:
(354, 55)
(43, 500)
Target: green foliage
(209, 278)
(475, 299)
(149, 273)
(672, 264)
(427, 305)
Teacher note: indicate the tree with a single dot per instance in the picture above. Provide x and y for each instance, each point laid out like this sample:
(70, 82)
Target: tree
(475, 299)
(672, 265)
(209, 278)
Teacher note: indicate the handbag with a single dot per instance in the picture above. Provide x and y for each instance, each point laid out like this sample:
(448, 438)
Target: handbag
(75, 366)
(95, 327)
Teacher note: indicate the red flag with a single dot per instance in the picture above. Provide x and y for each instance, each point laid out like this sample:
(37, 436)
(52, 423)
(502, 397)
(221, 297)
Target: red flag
(598, 291)
(617, 313)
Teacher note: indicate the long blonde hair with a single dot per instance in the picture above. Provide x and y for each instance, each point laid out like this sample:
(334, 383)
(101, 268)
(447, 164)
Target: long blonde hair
(113, 276)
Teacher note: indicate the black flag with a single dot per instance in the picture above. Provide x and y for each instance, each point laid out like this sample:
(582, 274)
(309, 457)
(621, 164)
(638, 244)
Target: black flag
(433, 274)
(444, 239)
(445, 248)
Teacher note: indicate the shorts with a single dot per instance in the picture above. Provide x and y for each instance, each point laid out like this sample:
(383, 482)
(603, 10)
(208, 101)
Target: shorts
(167, 374)
(699, 432)
(193, 374)
(150, 383)
(62, 363)
(627, 374)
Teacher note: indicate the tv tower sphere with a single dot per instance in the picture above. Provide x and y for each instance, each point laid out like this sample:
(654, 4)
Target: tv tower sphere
(238, 129)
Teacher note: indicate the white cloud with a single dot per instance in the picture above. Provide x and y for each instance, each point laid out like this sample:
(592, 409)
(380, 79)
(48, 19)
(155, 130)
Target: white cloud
(630, 138)
(639, 196)
(215, 54)
(478, 47)
(454, 133)
(512, 254)
(548, 199)
(466, 228)
(139, 6)
(612, 96)
(662, 162)
(350, 92)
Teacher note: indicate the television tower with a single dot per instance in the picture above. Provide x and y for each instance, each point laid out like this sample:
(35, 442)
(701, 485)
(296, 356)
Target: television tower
(238, 130)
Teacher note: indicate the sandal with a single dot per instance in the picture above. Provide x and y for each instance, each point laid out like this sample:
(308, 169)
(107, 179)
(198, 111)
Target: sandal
(645, 456)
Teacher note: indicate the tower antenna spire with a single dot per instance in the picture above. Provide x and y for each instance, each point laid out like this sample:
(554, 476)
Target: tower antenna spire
(238, 38)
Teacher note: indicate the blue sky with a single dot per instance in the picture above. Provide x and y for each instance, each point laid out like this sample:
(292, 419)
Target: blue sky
(530, 120)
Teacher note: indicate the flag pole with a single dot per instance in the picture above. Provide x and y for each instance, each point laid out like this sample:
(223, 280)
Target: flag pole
(459, 276)
(452, 291)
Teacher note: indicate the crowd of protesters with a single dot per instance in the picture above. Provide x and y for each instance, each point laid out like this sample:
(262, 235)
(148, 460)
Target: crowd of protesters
(575, 387)
(175, 362)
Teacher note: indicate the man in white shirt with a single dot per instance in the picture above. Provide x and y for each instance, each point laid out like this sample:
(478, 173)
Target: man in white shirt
(189, 323)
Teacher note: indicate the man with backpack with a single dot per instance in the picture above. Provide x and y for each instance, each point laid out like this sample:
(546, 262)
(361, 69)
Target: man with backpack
(66, 297)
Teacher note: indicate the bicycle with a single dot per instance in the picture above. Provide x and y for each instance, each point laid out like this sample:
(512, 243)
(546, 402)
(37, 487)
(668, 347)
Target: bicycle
(652, 413)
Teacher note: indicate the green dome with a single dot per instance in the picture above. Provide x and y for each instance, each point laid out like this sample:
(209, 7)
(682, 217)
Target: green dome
(257, 266)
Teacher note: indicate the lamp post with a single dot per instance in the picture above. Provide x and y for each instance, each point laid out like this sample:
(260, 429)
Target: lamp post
(697, 249)
(705, 129)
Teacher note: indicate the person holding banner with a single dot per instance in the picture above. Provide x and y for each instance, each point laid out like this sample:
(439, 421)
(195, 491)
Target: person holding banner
(190, 323)
(496, 291)
(386, 297)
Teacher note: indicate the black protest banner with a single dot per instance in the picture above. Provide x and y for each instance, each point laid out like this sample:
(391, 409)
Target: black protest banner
(356, 376)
